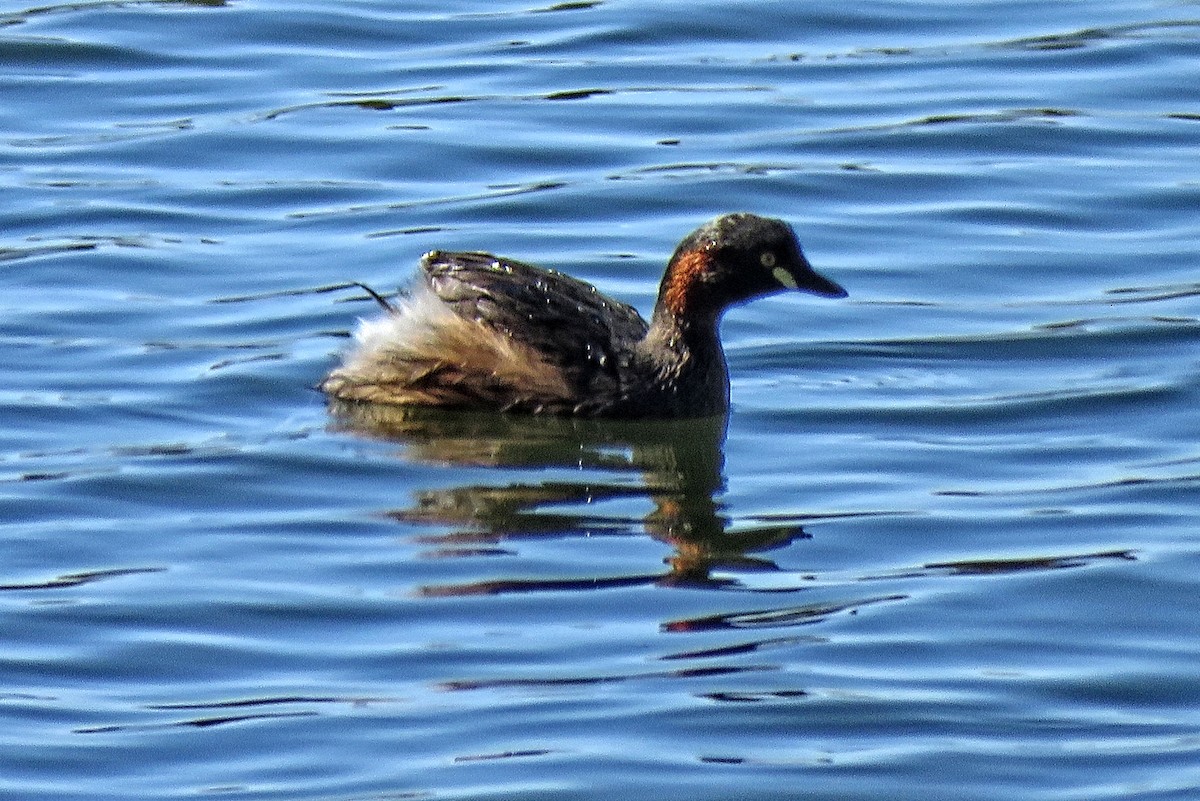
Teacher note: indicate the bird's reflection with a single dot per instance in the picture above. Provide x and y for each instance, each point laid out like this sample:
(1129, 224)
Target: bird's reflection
(676, 465)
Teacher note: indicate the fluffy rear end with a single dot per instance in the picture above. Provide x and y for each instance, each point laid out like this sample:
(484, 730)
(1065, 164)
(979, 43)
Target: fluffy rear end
(425, 354)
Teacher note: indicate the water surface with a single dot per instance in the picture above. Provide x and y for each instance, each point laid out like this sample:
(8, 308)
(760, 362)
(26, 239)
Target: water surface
(944, 550)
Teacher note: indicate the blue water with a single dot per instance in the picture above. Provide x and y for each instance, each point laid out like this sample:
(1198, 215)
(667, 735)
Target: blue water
(945, 550)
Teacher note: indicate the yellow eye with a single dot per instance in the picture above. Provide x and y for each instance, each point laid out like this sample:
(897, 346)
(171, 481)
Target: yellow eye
(767, 259)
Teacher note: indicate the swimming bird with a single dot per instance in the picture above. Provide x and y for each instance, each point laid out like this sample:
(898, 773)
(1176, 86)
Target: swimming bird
(488, 333)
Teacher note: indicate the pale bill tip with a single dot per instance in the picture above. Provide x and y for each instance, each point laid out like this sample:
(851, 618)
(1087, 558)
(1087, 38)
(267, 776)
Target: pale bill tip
(785, 278)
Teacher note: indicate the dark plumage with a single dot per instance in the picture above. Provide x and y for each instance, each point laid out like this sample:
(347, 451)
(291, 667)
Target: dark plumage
(483, 332)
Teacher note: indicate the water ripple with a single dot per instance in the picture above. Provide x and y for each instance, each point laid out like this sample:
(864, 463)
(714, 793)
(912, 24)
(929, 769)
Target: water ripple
(948, 526)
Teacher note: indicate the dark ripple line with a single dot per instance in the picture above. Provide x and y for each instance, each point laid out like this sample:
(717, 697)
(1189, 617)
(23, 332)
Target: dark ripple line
(688, 673)
(1130, 481)
(1068, 340)
(1095, 322)
(1150, 294)
(1113, 297)
(22, 17)
(14, 254)
(1021, 407)
(749, 697)
(980, 118)
(282, 700)
(366, 103)
(380, 101)
(123, 133)
(997, 567)
(79, 579)
(77, 244)
(762, 618)
(799, 519)
(533, 752)
(200, 723)
(1088, 36)
(569, 5)
(988, 567)
(702, 170)
(739, 648)
(1071, 40)
(514, 586)
(495, 193)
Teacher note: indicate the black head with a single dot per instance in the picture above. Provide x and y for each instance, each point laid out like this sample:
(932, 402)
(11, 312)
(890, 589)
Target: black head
(743, 256)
